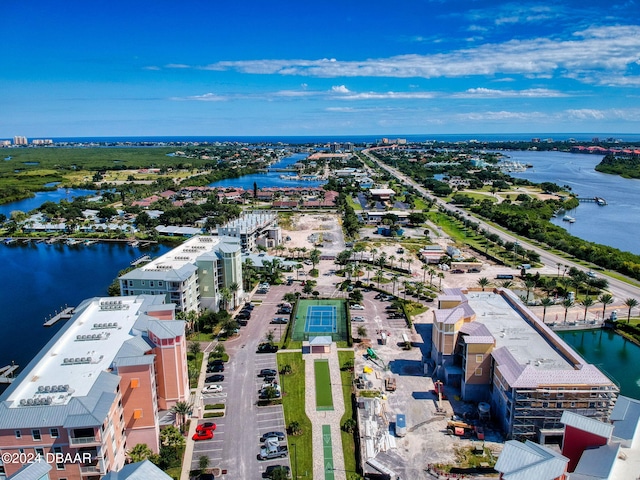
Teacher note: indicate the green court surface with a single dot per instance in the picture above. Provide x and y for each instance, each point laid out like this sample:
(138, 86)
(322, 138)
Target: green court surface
(327, 448)
(320, 318)
(324, 399)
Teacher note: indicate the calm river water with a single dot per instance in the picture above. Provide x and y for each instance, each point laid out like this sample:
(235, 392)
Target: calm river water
(617, 224)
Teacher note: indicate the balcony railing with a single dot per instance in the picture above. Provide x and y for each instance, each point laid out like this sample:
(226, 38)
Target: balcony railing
(83, 440)
(92, 469)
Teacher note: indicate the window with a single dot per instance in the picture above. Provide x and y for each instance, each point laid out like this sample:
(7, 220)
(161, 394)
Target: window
(479, 358)
(59, 466)
(545, 404)
(558, 404)
(152, 283)
(592, 404)
(131, 283)
(36, 435)
(478, 372)
(160, 283)
(573, 404)
(54, 433)
(18, 434)
(39, 451)
(560, 392)
(143, 283)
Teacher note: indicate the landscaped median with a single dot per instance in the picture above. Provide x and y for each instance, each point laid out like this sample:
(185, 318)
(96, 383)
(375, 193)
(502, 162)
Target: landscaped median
(293, 400)
(347, 422)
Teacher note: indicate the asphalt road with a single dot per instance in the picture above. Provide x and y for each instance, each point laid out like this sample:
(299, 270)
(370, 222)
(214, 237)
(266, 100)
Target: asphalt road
(620, 290)
(236, 443)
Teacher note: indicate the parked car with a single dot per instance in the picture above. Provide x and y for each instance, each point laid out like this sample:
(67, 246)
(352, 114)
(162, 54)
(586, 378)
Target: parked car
(249, 305)
(279, 435)
(356, 306)
(267, 372)
(267, 348)
(216, 361)
(280, 320)
(214, 368)
(270, 453)
(473, 270)
(202, 435)
(212, 389)
(217, 378)
(206, 426)
(272, 470)
(457, 270)
(357, 318)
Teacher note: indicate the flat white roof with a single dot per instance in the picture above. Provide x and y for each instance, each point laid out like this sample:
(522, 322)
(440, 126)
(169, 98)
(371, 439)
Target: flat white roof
(185, 253)
(87, 347)
(514, 333)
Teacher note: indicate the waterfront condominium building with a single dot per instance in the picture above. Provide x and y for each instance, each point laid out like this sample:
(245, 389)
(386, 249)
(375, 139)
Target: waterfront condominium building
(95, 389)
(192, 275)
(253, 229)
(495, 350)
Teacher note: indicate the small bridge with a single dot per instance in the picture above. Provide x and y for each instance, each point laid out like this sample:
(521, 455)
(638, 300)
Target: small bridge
(599, 200)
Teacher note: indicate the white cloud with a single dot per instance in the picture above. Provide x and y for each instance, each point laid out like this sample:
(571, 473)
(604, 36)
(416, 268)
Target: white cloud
(492, 93)
(177, 65)
(207, 97)
(340, 89)
(588, 56)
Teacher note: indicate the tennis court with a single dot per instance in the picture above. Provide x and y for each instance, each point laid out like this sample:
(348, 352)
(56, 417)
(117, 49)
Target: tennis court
(320, 318)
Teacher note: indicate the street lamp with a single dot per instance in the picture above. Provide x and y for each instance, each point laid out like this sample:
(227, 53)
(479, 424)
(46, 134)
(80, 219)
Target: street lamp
(295, 460)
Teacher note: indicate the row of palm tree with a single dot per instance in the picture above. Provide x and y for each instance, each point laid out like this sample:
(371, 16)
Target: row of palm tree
(605, 299)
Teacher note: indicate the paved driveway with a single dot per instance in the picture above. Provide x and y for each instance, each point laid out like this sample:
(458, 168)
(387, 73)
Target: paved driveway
(236, 445)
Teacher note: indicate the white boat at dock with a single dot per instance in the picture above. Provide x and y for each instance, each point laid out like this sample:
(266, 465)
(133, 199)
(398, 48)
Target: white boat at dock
(569, 219)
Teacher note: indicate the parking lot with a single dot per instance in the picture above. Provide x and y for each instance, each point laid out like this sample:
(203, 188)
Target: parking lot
(236, 442)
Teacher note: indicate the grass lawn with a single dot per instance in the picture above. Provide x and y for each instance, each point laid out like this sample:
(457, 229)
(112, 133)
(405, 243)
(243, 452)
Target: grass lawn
(293, 402)
(348, 442)
(324, 401)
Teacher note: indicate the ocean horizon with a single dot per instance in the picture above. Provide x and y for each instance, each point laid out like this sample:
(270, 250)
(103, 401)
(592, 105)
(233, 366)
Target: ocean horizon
(357, 139)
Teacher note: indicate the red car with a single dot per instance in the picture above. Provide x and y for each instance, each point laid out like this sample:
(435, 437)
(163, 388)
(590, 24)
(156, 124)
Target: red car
(206, 426)
(203, 435)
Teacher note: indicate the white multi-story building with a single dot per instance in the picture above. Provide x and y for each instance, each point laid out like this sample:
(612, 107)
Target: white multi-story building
(191, 275)
(253, 229)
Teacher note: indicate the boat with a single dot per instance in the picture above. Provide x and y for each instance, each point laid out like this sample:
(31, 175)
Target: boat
(72, 241)
(90, 242)
(133, 243)
(569, 219)
(9, 241)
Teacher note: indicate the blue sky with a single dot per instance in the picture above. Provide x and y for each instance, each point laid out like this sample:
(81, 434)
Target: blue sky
(98, 68)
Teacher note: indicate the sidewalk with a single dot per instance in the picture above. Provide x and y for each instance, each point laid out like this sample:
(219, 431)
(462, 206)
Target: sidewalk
(326, 417)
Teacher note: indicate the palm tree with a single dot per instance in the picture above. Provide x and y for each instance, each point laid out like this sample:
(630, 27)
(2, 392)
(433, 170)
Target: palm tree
(440, 276)
(392, 258)
(586, 303)
(630, 303)
(419, 288)
(529, 284)
(545, 302)
(362, 332)
(225, 296)
(406, 284)
(558, 265)
(139, 452)
(314, 256)
(424, 268)
(378, 277)
(431, 273)
(567, 304)
(395, 279)
(369, 269)
(181, 410)
(483, 282)
(605, 299)
(506, 284)
(234, 287)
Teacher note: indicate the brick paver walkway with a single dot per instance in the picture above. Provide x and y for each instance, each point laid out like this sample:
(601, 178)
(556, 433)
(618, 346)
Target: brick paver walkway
(326, 418)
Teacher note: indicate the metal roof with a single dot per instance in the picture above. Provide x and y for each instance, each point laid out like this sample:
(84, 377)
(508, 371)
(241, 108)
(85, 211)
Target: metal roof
(32, 471)
(587, 424)
(527, 461)
(597, 463)
(144, 470)
(625, 417)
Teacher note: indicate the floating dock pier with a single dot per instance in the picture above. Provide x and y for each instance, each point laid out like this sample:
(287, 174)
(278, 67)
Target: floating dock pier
(65, 314)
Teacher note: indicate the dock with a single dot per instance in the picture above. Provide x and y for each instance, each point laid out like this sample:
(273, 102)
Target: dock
(599, 200)
(142, 259)
(6, 373)
(65, 314)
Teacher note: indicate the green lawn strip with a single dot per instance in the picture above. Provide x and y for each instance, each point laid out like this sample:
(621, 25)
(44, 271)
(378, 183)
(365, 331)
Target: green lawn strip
(355, 205)
(324, 400)
(293, 401)
(348, 441)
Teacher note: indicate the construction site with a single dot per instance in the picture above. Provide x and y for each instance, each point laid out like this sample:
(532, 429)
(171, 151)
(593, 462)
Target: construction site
(407, 423)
